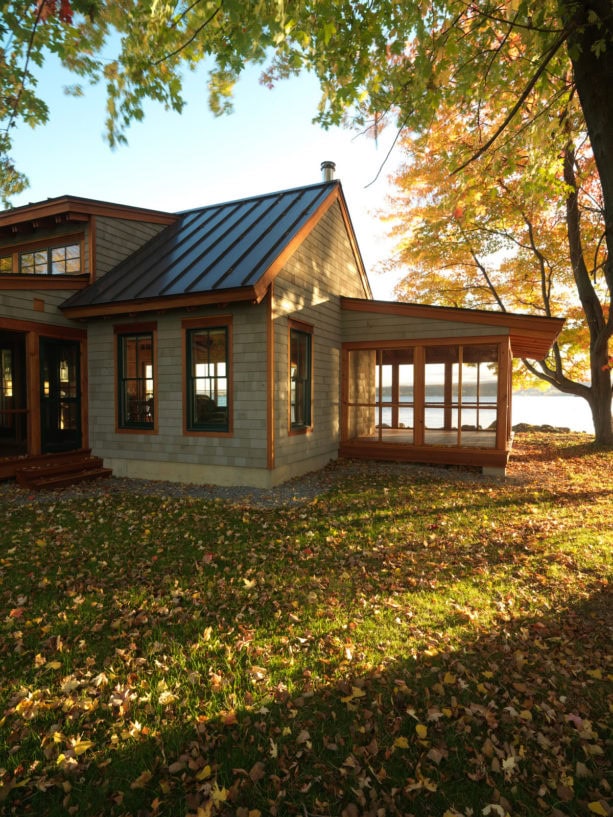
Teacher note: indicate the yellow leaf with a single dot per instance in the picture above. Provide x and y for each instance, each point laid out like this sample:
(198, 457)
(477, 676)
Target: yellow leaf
(401, 743)
(422, 731)
(81, 746)
(204, 773)
(142, 780)
(54, 665)
(219, 795)
(595, 673)
(596, 807)
(449, 678)
(356, 692)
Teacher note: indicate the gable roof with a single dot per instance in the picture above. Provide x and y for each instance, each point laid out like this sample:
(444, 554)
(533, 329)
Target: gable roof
(531, 335)
(220, 253)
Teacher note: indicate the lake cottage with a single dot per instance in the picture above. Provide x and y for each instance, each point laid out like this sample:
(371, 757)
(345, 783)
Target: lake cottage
(236, 343)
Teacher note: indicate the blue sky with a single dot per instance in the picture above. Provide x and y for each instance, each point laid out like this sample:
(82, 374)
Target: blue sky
(174, 162)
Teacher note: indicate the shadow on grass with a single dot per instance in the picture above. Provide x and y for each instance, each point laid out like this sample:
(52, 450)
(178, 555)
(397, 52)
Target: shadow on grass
(514, 716)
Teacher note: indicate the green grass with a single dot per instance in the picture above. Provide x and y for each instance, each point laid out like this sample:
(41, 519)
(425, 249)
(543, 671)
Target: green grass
(430, 644)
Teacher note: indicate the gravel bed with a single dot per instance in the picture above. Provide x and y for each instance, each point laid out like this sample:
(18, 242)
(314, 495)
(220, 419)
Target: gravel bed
(294, 492)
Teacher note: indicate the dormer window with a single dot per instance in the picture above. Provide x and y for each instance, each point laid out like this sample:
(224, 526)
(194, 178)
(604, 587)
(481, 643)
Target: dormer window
(47, 257)
(64, 260)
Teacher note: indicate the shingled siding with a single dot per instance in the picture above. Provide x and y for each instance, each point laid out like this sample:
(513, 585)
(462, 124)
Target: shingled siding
(308, 290)
(169, 454)
(117, 238)
(372, 326)
(38, 306)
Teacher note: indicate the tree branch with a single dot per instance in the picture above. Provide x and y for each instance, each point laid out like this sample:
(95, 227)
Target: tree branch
(193, 36)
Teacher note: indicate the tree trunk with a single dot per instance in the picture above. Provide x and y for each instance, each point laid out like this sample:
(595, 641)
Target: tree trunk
(590, 47)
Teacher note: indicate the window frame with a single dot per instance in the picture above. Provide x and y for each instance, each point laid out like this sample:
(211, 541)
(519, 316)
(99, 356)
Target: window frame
(301, 330)
(190, 326)
(44, 247)
(122, 333)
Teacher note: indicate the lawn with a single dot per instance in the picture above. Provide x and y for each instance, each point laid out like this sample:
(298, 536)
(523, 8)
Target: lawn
(413, 642)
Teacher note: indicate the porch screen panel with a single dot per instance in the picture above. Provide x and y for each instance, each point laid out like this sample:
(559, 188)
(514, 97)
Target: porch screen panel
(442, 395)
(136, 404)
(479, 394)
(207, 384)
(362, 393)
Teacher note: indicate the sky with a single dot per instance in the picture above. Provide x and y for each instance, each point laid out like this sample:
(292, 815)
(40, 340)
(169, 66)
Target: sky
(179, 161)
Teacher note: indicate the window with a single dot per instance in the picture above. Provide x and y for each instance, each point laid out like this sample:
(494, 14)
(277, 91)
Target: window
(65, 260)
(300, 380)
(136, 390)
(208, 371)
(6, 263)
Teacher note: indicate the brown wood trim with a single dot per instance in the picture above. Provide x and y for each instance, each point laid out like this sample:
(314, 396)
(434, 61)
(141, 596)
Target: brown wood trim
(33, 392)
(137, 328)
(207, 320)
(74, 207)
(307, 329)
(503, 400)
(300, 326)
(261, 287)
(91, 242)
(428, 454)
(84, 395)
(204, 322)
(70, 283)
(404, 343)
(62, 240)
(158, 304)
(49, 330)
(270, 380)
(419, 395)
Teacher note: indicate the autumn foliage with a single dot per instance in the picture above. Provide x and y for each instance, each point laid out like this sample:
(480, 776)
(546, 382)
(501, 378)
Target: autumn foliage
(413, 641)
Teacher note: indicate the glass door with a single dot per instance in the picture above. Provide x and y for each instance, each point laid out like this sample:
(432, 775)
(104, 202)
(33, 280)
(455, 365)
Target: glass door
(60, 395)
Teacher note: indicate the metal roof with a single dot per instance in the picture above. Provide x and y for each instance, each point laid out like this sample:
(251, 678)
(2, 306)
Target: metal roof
(215, 249)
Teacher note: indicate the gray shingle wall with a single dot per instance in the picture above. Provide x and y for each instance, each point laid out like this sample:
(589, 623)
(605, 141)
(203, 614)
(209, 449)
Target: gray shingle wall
(19, 305)
(118, 238)
(308, 290)
(246, 448)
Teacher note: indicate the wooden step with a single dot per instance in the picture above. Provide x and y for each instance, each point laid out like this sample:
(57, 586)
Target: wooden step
(63, 480)
(61, 470)
(10, 465)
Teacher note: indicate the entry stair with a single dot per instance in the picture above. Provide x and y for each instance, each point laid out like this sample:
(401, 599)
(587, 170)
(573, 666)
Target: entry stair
(59, 470)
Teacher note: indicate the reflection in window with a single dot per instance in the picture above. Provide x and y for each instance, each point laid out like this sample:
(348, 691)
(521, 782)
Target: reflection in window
(300, 379)
(135, 381)
(207, 379)
(64, 260)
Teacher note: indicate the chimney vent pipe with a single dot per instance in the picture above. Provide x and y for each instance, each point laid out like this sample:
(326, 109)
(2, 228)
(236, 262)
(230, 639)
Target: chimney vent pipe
(327, 171)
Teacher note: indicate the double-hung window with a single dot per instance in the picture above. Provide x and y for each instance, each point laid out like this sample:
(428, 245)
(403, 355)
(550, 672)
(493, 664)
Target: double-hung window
(300, 375)
(135, 377)
(207, 356)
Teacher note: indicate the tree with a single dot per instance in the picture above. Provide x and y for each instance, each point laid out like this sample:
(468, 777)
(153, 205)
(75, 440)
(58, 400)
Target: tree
(376, 61)
(498, 236)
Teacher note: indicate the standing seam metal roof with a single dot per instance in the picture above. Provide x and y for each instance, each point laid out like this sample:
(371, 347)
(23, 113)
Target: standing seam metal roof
(210, 249)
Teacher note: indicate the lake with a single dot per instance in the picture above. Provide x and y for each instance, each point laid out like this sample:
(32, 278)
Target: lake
(565, 410)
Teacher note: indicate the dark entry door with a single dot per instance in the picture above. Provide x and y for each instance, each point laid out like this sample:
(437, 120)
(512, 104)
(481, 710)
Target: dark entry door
(60, 395)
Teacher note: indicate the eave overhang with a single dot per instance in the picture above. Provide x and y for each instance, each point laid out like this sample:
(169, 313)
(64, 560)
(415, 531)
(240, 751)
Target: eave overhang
(531, 336)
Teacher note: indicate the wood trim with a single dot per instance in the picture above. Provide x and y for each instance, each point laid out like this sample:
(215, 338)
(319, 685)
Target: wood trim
(84, 395)
(207, 320)
(70, 283)
(49, 330)
(51, 241)
(419, 396)
(261, 286)
(436, 455)
(91, 241)
(307, 329)
(503, 407)
(74, 207)
(160, 304)
(33, 392)
(404, 343)
(135, 329)
(270, 380)
(188, 324)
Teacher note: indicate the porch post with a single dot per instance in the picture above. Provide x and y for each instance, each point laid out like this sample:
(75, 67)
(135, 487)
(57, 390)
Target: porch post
(33, 392)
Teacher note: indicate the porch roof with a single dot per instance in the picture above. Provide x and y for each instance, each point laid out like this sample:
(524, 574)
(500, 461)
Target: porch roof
(531, 335)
